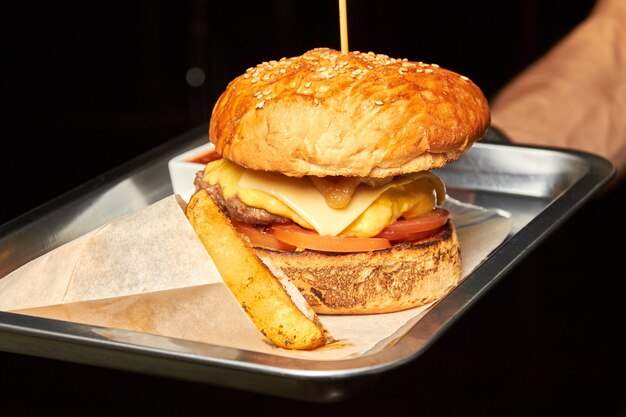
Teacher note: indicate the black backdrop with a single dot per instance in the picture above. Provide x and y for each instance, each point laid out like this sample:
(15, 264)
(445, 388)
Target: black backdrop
(87, 86)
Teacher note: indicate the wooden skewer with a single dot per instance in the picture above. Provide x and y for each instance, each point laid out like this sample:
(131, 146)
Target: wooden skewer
(343, 25)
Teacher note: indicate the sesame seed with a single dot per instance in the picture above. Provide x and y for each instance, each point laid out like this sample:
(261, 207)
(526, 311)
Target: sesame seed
(307, 85)
(266, 93)
(254, 80)
(282, 70)
(463, 77)
(246, 75)
(427, 95)
(435, 65)
(260, 104)
(428, 70)
(378, 103)
(316, 101)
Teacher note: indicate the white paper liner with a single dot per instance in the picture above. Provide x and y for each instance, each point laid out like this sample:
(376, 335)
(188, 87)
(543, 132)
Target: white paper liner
(149, 272)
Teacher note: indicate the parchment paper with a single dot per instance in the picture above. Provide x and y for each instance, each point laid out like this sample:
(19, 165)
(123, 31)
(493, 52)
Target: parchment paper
(148, 272)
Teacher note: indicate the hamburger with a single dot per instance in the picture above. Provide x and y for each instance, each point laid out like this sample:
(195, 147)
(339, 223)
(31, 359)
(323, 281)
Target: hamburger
(323, 164)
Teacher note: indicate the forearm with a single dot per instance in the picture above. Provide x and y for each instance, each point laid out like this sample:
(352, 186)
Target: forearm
(575, 96)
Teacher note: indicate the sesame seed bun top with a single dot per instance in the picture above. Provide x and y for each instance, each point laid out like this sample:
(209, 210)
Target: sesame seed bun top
(327, 113)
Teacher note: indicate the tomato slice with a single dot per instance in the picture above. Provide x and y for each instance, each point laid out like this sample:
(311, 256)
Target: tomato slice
(260, 238)
(410, 237)
(288, 237)
(304, 238)
(421, 226)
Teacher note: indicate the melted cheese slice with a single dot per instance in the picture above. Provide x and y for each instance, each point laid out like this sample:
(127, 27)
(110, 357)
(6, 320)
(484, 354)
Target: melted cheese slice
(303, 197)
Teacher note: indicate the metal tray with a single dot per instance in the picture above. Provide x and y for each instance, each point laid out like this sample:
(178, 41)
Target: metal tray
(541, 188)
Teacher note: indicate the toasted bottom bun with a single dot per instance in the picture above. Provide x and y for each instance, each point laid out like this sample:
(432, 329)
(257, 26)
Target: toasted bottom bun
(407, 275)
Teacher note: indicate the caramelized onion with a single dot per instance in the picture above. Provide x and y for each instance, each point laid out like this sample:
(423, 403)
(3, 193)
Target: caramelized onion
(336, 190)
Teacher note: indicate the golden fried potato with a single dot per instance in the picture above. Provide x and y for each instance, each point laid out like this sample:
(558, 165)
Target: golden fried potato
(259, 292)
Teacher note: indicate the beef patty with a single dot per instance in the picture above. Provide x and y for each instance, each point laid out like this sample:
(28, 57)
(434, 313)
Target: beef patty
(235, 208)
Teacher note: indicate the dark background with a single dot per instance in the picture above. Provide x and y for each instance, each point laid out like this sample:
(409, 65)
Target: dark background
(87, 86)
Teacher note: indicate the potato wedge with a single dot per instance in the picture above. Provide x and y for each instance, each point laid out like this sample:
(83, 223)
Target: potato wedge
(257, 289)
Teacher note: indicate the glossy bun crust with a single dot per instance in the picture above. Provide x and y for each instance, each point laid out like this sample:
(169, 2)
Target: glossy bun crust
(406, 275)
(357, 114)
